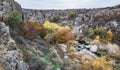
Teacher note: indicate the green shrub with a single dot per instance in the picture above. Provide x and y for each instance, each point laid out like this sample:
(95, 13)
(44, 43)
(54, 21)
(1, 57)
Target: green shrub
(54, 19)
(14, 18)
(72, 15)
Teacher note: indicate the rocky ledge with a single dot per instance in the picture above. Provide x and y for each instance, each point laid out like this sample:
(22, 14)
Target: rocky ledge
(10, 57)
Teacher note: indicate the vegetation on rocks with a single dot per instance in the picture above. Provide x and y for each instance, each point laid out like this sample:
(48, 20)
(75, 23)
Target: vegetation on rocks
(14, 19)
(82, 40)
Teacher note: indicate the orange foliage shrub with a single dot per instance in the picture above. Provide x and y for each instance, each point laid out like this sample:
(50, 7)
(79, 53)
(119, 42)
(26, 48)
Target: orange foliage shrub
(64, 36)
(32, 29)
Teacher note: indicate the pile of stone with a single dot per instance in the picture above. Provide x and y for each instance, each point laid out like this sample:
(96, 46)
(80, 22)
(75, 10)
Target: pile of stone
(86, 49)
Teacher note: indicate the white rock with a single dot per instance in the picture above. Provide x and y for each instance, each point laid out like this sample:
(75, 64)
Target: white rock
(63, 47)
(93, 48)
(87, 46)
(112, 49)
(84, 51)
(66, 57)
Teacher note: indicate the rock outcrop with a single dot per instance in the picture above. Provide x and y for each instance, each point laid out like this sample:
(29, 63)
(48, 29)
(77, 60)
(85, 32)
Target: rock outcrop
(10, 56)
(6, 6)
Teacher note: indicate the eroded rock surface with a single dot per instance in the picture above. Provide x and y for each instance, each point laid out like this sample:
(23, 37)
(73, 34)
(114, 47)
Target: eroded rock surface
(10, 57)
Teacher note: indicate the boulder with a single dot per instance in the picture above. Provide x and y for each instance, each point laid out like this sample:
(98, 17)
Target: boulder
(85, 51)
(93, 48)
(113, 49)
(63, 47)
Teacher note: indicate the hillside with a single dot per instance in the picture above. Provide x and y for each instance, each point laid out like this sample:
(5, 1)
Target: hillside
(71, 39)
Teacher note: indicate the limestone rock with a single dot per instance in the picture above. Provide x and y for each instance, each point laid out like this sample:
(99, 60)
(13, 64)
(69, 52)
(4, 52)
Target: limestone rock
(93, 48)
(63, 47)
(10, 57)
(112, 49)
(84, 51)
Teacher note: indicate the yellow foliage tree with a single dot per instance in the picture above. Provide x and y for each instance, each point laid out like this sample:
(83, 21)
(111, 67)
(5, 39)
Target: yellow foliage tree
(90, 31)
(97, 37)
(101, 63)
(101, 29)
(97, 64)
(51, 26)
(57, 33)
(109, 36)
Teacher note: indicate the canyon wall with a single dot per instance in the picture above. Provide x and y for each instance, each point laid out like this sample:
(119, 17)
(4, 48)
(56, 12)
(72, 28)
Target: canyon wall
(64, 16)
(79, 16)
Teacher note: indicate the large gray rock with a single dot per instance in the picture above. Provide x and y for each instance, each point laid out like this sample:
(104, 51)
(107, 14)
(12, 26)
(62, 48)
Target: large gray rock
(84, 51)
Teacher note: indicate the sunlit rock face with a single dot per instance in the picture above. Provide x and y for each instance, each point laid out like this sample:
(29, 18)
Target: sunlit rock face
(10, 57)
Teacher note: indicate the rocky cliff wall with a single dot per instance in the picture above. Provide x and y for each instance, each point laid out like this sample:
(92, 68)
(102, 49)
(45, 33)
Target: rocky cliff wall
(6, 6)
(80, 15)
(63, 16)
(10, 56)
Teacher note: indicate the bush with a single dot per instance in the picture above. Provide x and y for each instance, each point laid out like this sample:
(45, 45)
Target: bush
(51, 26)
(32, 29)
(72, 15)
(109, 36)
(90, 32)
(14, 18)
(97, 64)
(57, 33)
(97, 37)
(64, 36)
(54, 19)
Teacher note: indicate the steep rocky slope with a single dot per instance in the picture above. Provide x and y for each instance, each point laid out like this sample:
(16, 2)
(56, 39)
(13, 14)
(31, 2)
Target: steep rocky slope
(39, 54)
(10, 56)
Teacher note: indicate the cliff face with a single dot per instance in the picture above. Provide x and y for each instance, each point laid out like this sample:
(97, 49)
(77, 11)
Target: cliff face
(6, 6)
(81, 15)
(10, 57)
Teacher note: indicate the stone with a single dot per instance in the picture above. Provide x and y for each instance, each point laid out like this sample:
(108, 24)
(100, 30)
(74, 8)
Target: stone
(22, 66)
(112, 49)
(10, 59)
(85, 51)
(93, 48)
(63, 47)
(2, 25)
(87, 46)
(66, 57)
(3, 30)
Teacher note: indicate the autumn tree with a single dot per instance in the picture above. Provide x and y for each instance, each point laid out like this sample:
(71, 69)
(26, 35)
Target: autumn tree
(51, 26)
(33, 29)
(64, 36)
(90, 32)
(109, 36)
